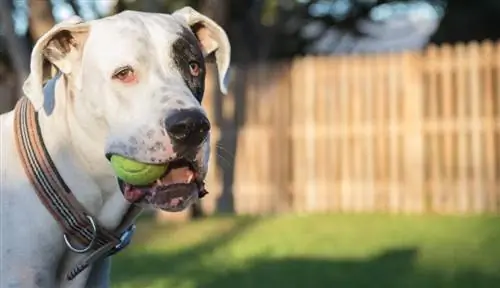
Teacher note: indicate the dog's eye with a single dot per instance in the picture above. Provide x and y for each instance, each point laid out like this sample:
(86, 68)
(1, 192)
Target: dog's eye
(125, 75)
(194, 68)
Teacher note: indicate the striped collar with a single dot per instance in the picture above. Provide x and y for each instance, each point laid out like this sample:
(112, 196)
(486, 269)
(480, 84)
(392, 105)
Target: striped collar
(81, 231)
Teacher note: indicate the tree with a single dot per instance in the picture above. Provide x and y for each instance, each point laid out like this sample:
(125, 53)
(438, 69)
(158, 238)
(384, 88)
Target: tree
(40, 18)
(466, 21)
(16, 59)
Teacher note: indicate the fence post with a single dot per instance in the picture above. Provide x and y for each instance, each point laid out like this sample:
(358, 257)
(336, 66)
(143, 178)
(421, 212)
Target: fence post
(413, 133)
(303, 134)
(310, 133)
(282, 141)
(491, 151)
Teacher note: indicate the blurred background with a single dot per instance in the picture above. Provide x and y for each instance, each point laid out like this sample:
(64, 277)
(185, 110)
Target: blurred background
(357, 147)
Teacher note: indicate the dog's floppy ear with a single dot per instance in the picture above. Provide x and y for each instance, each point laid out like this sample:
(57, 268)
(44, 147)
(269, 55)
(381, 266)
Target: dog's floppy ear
(58, 50)
(212, 39)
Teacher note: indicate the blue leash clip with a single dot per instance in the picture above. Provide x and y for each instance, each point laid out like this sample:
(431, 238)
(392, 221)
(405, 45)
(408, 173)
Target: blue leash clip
(125, 239)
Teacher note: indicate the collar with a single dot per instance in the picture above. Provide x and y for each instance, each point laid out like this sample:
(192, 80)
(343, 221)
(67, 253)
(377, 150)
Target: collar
(81, 231)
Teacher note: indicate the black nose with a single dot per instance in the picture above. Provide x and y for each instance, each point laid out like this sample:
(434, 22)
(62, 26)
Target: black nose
(187, 127)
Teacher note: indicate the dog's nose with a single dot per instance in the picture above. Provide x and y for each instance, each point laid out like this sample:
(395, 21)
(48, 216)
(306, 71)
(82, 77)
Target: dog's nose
(187, 127)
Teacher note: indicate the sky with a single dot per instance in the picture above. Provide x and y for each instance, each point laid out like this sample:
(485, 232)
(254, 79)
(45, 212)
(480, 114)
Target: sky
(62, 11)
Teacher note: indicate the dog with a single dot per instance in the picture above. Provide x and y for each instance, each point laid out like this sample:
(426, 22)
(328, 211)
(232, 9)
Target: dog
(130, 84)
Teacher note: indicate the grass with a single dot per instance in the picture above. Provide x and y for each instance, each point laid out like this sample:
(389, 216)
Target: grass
(314, 251)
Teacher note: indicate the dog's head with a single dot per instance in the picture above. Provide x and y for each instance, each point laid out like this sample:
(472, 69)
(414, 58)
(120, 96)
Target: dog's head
(137, 79)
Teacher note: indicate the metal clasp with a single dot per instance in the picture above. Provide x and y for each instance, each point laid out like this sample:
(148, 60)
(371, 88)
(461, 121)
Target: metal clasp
(125, 239)
(91, 244)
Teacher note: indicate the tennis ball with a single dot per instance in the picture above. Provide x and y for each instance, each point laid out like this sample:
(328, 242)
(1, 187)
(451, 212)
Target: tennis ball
(136, 173)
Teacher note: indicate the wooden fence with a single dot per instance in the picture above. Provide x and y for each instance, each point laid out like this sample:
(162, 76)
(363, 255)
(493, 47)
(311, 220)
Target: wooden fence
(399, 133)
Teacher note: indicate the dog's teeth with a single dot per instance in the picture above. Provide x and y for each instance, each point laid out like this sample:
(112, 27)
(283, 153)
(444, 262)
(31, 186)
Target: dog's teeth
(190, 178)
(158, 182)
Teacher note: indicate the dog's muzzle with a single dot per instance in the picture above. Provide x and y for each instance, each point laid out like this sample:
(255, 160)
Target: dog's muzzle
(174, 191)
(182, 183)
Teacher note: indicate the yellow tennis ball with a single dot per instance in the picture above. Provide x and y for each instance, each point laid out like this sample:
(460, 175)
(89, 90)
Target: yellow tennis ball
(136, 173)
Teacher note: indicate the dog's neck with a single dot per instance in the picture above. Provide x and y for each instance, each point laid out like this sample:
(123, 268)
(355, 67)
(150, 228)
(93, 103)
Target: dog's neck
(78, 154)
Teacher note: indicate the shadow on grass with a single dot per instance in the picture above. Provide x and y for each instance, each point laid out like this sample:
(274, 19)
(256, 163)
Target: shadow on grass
(393, 268)
(151, 267)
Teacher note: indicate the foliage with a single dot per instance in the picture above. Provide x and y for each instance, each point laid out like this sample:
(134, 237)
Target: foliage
(161, 6)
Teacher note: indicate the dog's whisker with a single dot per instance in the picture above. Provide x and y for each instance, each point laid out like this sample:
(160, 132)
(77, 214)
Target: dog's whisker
(224, 161)
(218, 145)
(222, 149)
(223, 157)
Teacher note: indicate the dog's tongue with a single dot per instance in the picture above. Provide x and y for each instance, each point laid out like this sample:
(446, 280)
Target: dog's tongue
(175, 176)
(133, 194)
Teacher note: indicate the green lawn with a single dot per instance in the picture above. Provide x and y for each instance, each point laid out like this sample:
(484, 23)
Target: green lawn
(314, 251)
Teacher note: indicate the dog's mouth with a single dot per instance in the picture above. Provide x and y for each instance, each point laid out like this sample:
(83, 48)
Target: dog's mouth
(174, 191)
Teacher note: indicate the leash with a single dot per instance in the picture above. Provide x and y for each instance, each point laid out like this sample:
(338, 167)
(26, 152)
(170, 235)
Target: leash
(56, 196)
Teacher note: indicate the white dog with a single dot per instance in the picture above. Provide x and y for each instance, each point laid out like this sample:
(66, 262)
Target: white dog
(130, 84)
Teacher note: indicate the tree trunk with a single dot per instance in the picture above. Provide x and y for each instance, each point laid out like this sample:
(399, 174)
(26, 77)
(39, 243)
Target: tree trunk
(215, 9)
(120, 6)
(150, 6)
(8, 87)
(40, 18)
(76, 7)
(17, 49)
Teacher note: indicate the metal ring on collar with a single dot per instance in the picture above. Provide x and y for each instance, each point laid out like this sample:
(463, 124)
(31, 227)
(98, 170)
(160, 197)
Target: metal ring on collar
(91, 244)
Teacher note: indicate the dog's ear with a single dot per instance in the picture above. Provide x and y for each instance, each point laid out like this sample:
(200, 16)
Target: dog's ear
(58, 50)
(212, 38)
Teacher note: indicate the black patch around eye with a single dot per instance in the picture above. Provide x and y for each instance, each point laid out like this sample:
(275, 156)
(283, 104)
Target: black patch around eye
(184, 50)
